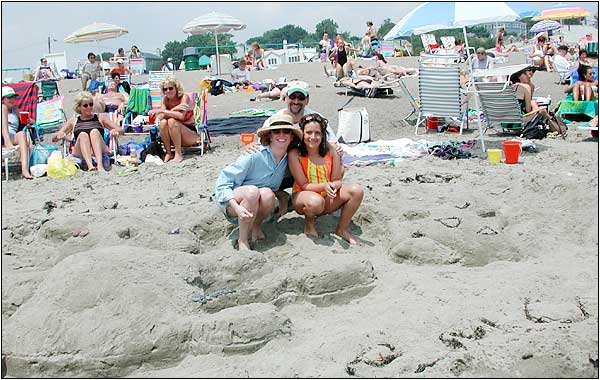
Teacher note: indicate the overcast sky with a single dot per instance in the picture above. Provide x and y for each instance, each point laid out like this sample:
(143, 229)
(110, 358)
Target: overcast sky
(27, 26)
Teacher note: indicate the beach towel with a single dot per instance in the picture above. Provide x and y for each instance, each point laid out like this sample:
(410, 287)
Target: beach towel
(567, 108)
(27, 96)
(139, 100)
(235, 125)
(254, 112)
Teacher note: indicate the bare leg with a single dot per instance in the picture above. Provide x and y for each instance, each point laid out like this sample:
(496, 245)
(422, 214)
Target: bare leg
(98, 148)
(282, 197)
(21, 139)
(577, 91)
(265, 206)
(339, 71)
(588, 93)
(309, 204)
(181, 136)
(349, 198)
(83, 149)
(247, 197)
(165, 137)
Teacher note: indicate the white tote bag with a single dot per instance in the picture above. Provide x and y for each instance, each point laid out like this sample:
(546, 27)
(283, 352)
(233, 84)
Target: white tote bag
(353, 125)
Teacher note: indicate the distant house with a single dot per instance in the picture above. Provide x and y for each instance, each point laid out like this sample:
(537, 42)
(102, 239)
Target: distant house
(514, 27)
(291, 53)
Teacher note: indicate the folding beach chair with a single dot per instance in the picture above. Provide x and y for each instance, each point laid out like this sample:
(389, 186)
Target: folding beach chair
(48, 90)
(27, 96)
(414, 102)
(429, 43)
(440, 93)
(201, 120)
(9, 156)
(50, 116)
(500, 106)
(154, 79)
(111, 142)
(448, 42)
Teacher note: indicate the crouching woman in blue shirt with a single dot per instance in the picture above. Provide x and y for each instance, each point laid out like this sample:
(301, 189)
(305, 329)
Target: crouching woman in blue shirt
(245, 190)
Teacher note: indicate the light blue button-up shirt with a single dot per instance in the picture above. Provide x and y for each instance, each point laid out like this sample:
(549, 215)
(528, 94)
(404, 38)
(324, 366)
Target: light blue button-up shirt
(258, 169)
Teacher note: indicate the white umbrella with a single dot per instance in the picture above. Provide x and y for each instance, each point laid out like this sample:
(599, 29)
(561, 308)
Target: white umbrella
(214, 23)
(97, 31)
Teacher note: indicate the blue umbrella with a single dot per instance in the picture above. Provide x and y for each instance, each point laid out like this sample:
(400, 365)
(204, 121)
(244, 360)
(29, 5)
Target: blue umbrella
(449, 15)
(545, 26)
(524, 9)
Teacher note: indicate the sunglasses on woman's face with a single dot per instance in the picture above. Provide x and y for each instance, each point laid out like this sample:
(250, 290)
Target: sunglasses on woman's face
(86, 105)
(298, 96)
(284, 131)
(169, 88)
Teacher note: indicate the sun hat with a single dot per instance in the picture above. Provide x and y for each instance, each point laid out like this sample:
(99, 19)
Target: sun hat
(279, 121)
(169, 59)
(297, 86)
(8, 92)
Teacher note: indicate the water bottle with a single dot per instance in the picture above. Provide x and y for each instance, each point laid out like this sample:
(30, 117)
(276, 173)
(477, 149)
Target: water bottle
(153, 133)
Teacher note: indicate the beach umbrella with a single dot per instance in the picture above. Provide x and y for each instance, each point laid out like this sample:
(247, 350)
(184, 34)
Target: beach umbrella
(545, 26)
(524, 9)
(97, 31)
(562, 12)
(214, 23)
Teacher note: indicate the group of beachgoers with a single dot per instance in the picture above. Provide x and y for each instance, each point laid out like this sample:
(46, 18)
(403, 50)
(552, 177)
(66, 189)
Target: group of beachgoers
(297, 150)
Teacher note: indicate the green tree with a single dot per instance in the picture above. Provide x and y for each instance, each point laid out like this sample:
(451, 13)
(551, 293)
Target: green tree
(326, 25)
(291, 33)
(106, 55)
(206, 43)
(385, 27)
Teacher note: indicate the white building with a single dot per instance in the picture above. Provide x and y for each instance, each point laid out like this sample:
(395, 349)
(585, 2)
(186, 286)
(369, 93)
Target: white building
(291, 53)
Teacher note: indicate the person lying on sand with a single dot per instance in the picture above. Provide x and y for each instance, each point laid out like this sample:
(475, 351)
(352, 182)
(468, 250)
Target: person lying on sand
(176, 125)
(88, 131)
(245, 190)
(278, 91)
(396, 70)
(364, 83)
(296, 99)
(318, 188)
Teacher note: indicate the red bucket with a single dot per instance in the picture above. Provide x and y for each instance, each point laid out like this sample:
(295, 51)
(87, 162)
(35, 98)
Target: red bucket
(512, 150)
(432, 122)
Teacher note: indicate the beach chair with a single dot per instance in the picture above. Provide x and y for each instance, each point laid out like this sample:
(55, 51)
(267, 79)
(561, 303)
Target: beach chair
(448, 42)
(440, 93)
(9, 156)
(500, 106)
(50, 116)
(27, 96)
(387, 48)
(414, 102)
(429, 43)
(48, 90)
(154, 79)
(111, 142)
(201, 120)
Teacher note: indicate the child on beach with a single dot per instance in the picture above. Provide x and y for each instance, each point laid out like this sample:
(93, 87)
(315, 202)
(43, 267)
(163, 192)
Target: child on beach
(318, 188)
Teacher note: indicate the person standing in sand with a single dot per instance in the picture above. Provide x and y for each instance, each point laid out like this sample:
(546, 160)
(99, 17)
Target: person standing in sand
(318, 188)
(176, 115)
(245, 190)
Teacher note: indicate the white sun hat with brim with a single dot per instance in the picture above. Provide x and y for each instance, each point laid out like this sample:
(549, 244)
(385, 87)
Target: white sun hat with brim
(279, 121)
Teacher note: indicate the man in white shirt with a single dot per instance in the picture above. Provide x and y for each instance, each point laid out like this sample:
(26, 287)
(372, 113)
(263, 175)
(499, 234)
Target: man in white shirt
(241, 75)
(563, 67)
(482, 62)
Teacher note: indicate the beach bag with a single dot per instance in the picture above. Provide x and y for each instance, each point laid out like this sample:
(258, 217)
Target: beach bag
(556, 124)
(59, 167)
(535, 128)
(353, 125)
(155, 149)
(40, 153)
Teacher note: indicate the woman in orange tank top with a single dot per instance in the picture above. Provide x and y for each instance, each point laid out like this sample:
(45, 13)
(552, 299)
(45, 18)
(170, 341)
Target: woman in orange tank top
(318, 188)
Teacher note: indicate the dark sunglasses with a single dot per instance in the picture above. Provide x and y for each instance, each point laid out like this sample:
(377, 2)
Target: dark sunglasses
(278, 131)
(86, 105)
(297, 95)
(168, 88)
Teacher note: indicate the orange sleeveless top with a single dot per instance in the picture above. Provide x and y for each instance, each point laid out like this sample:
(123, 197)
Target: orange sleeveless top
(315, 173)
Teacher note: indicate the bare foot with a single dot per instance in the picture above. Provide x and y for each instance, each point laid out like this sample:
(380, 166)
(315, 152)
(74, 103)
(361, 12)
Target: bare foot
(346, 235)
(257, 234)
(27, 175)
(243, 246)
(167, 157)
(310, 228)
(178, 158)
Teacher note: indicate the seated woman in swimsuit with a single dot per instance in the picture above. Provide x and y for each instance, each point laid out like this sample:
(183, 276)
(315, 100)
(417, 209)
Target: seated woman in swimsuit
(318, 188)
(88, 131)
(43, 71)
(586, 88)
(521, 82)
(258, 56)
(176, 117)
(11, 132)
(112, 101)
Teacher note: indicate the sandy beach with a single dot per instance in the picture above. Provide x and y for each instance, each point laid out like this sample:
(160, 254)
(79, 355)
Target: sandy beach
(467, 269)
